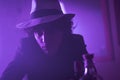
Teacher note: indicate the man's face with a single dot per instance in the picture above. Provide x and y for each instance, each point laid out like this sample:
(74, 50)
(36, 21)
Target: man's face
(49, 39)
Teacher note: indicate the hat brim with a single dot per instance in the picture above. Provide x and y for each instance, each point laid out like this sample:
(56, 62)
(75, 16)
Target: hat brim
(37, 21)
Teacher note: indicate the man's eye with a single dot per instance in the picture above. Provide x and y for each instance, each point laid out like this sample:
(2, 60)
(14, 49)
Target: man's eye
(40, 33)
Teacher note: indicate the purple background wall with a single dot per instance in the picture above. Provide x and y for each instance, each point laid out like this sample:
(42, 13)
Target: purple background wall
(90, 21)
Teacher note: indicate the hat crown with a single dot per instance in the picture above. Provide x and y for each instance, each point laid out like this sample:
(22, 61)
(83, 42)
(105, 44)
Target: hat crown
(45, 7)
(43, 12)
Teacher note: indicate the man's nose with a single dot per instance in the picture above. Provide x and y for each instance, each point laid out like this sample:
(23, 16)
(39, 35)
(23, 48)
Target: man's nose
(46, 37)
(43, 37)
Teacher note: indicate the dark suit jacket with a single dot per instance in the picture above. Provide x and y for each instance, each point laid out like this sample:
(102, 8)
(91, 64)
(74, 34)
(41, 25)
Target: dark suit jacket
(31, 61)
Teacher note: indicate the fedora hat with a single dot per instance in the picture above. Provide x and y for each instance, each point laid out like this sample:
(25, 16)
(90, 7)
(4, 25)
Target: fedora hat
(42, 12)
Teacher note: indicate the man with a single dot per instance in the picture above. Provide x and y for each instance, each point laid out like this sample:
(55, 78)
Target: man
(51, 50)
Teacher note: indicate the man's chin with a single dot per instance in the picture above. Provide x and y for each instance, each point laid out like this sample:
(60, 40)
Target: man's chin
(45, 51)
(49, 51)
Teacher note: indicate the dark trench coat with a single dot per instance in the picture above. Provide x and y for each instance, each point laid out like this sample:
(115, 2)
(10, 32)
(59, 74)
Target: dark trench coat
(32, 62)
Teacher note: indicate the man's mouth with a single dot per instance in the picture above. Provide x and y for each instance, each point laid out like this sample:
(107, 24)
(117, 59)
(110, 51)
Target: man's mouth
(44, 49)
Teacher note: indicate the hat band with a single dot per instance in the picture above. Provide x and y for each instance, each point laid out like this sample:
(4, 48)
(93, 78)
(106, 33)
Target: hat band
(45, 12)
